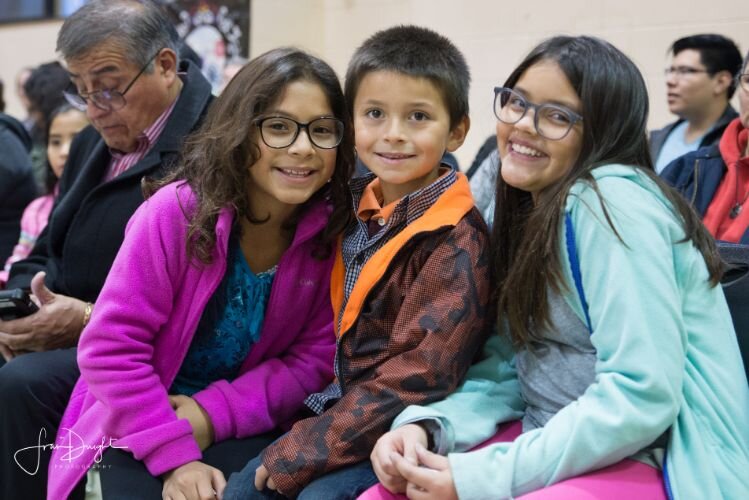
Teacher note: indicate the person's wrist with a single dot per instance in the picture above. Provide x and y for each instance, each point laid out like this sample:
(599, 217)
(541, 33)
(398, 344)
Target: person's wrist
(209, 432)
(427, 428)
(87, 310)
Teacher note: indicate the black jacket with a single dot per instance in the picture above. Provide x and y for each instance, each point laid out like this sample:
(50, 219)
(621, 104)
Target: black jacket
(17, 187)
(658, 137)
(88, 221)
(697, 176)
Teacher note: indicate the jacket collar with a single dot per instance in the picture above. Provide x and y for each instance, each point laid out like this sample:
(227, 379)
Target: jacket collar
(312, 221)
(716, 130)
(310, 224)
(195, 95)
(447, 211)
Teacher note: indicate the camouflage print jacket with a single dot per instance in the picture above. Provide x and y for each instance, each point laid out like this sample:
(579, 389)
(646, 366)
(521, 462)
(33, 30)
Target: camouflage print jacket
(413, 323)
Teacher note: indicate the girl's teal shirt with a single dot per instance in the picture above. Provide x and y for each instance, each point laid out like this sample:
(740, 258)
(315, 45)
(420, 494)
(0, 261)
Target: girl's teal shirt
(667, 358)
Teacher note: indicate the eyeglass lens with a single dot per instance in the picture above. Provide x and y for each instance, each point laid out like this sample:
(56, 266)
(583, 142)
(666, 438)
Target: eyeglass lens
(103, 99)
(682, 70)
(744, 81)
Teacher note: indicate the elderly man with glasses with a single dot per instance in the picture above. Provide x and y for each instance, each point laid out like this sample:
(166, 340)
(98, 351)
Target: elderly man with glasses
(125, 74)
(699, 82)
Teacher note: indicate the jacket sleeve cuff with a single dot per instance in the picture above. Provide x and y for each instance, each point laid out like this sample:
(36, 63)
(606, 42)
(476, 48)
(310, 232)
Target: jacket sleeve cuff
(170, 455)
(284, 481)
(475, 478)
(213, 401)
(437, 427)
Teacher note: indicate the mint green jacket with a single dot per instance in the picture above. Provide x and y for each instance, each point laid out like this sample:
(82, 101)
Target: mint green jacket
(667, 358)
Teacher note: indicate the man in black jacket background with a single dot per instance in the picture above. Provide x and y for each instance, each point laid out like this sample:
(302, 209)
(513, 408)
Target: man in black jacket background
(17, 188)
(123, 64)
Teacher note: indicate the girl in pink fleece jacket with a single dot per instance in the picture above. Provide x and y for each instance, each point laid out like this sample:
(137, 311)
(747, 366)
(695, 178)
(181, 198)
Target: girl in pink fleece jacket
(215, 321)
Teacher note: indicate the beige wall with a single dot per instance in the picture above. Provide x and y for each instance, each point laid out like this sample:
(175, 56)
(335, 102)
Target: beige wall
(496, 34)
(25, 44)
(493, 34)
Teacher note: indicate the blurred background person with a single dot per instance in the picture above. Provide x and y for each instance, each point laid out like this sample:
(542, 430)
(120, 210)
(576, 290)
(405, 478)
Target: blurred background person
(65, 123)
(17, 186)
(715, 179)
(21, 78)
(699, 84)
(43, 90)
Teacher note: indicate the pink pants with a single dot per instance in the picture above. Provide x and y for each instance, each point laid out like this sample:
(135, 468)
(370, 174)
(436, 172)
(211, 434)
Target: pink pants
(622, 481)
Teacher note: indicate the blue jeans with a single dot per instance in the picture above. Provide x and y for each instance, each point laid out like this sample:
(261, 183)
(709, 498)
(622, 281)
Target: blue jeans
(342, 484)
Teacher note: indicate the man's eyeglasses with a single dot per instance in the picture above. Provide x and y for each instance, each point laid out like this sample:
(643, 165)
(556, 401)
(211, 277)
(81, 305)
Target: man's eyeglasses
(681, 71)
(105, 99)
(279, 132)
(551, 120)
(743, 81)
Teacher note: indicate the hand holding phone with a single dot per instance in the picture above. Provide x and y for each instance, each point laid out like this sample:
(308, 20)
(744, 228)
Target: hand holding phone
(15, 304)
(56, 320)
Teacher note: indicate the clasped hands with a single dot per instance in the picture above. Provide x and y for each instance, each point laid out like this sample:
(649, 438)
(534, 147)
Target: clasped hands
(404, 465)
(57, 324)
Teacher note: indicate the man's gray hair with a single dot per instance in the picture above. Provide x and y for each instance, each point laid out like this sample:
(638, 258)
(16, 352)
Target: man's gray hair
(137, 27)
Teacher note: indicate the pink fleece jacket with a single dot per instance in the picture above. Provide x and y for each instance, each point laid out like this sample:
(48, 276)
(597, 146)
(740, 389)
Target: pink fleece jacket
(142, 326)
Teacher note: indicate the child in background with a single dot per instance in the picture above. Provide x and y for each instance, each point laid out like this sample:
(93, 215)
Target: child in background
(411, 282)
(44, 92)
(64, 124)
(215, 321)
(626, 372)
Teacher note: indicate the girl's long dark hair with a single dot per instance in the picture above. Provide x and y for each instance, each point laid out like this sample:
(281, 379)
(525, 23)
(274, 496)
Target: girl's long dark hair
(217, 157)
(525, 237)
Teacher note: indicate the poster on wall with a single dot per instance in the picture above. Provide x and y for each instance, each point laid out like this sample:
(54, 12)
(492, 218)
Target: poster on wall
(217, 31)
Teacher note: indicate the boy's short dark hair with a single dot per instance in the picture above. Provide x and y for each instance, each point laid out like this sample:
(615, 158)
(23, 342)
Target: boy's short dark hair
(418, 52)
(717, 53)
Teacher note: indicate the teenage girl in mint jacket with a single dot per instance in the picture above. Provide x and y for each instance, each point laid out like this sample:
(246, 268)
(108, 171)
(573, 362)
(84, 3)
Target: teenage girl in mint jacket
(616, 349)
(215, 321)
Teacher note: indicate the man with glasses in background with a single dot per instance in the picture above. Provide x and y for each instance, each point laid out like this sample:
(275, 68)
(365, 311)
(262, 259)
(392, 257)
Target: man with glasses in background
(700, 82)
(124, 71)
(715, 178)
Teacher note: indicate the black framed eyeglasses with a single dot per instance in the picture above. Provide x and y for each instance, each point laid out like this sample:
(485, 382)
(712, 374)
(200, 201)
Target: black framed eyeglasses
(552, 121)
(681, 71)
(743, 81)
(105, 99)
(280, 132)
